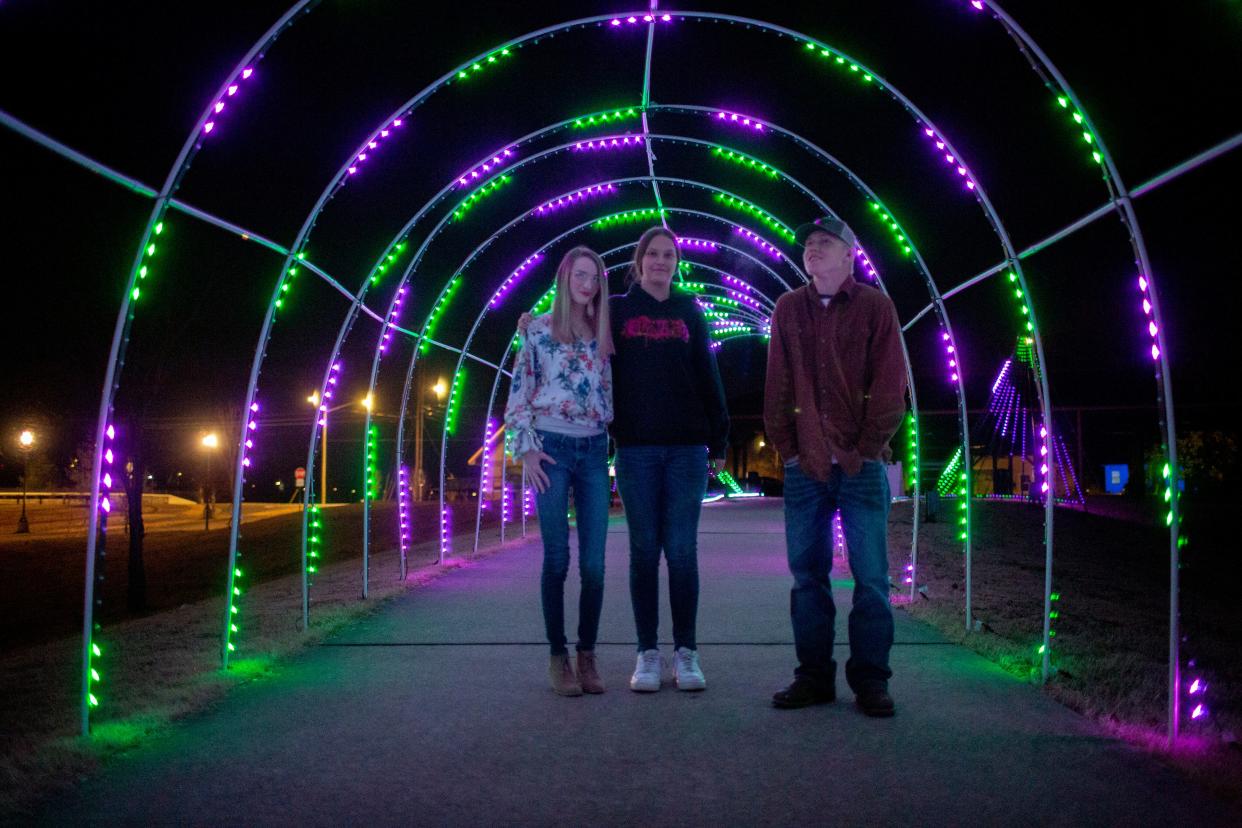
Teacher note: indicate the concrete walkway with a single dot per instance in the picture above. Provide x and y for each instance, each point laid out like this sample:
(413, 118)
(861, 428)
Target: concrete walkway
(436, 711)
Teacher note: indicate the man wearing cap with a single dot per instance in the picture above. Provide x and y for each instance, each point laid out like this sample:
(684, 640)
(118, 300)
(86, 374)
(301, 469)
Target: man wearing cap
(834, 397)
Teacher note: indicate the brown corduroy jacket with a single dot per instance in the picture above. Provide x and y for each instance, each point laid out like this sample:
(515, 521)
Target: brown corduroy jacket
(836, 379)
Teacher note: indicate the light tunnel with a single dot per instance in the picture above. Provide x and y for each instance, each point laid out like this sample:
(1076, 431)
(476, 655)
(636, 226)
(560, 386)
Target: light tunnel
(477, 245)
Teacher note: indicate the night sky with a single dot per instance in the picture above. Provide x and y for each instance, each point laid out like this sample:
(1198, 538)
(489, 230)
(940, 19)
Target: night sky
(124, 83)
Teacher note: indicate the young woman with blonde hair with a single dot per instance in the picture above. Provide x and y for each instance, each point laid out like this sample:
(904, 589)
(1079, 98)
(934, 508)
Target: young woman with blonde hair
(560, 404)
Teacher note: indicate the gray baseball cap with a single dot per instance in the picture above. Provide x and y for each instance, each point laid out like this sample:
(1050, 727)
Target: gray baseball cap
(828, 224)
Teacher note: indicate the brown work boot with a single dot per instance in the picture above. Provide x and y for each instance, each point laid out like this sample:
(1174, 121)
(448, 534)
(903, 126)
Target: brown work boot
(588, 674)
(561, 673)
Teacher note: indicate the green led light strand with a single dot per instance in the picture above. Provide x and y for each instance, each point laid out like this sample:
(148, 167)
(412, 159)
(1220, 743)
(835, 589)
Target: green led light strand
(1080, 122)
(287, 282)
(371, 491)
(899, 235)
(144, 269)
(727, 479)
(483, 64)
(453, 410)
(389, 260)
(480, 193)
(768, 219)
(912, 450)
(945, 484)
(1024, 308)
(315, 539)
(433, 319)
(604, 118)
(837, 59)
(629, 217)
(747, 161)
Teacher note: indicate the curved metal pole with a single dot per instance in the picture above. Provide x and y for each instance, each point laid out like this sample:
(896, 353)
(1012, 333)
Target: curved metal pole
(120, 337)
(1163, 375)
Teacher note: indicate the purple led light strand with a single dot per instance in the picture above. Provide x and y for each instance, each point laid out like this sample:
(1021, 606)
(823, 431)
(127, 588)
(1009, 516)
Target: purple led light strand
(735, 119)
(231, 90)
(403, 515)
(608, 142)
(574, 198)
(486, 168)
(697, 244)
(517, 274)
(393, 316)
(759, 242)
(868, 268)
(446, 547)
(950, 351)
(947, 156)
(485, 457)
(372, 145)
(638, 20)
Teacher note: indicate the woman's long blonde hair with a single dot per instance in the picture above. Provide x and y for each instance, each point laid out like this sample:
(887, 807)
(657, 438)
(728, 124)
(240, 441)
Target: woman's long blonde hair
(597, 310)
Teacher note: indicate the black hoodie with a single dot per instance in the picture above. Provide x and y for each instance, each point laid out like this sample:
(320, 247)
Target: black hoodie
(666, 388)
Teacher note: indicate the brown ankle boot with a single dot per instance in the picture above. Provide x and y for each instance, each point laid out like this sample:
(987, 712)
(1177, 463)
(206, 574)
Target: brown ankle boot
(561, 674)
(588, 674)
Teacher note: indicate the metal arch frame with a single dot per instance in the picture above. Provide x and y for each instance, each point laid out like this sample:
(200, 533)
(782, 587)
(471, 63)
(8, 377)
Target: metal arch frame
(523, 217)
(684, 139)
(341, 177)
(418, 257)
(120, 338)
(114, 364)
(142, 189)
(1164, 380)
(584, 225)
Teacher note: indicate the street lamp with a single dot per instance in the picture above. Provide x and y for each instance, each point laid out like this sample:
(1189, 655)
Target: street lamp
(26, 441)
(210, 443)
(420, 477)
(324, 411)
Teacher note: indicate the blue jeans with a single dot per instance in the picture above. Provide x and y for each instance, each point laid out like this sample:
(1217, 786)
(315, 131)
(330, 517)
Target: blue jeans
(662, 488)
(581, 463)
(809, 506)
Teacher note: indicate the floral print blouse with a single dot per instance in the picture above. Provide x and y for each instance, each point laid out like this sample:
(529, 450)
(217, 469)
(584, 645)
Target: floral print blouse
(556, 381)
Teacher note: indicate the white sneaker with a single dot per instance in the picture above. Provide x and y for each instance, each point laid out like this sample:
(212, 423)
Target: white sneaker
(646, 678)
(686, 672)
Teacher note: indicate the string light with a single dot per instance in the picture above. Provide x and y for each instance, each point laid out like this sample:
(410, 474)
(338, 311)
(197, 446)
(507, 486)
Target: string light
(507, 284)
(372, 146)
(573, 198)
(734, 119)
(743, 160)
(486, 168)
(758, 241)
(433, 318)
(218, 107)
(482, 192)
(767, 218)
(468, 72)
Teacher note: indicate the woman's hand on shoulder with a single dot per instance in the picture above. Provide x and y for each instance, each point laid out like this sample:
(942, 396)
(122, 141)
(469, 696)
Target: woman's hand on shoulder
(524, 322)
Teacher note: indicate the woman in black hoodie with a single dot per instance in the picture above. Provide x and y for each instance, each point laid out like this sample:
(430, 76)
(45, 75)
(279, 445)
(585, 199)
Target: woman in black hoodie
(670, 419)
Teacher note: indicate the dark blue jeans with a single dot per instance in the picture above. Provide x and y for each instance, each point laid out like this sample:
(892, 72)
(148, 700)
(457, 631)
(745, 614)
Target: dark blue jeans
(864, 503)
(581, 464)
(662, 488)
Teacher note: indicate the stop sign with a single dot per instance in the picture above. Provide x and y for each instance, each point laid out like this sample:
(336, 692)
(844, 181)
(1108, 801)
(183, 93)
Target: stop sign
(299, 477)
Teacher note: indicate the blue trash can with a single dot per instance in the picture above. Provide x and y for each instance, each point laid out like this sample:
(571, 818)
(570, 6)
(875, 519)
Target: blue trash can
(1115, 478)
